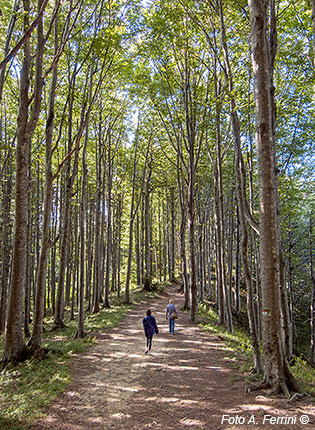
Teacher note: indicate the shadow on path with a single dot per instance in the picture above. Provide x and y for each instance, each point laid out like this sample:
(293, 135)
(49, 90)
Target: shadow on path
(187, 382)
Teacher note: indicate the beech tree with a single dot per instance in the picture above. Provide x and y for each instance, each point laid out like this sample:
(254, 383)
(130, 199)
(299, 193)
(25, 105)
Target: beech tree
(15, 348)
(277, 375)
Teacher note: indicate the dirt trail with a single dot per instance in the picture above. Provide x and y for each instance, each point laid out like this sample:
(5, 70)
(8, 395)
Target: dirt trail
(186, 383)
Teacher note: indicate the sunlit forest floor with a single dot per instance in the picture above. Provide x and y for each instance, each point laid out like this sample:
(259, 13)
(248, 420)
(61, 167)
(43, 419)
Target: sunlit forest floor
(187, 382)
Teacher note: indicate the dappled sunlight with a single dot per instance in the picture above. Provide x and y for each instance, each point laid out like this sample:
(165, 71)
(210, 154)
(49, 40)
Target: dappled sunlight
(162, 399)
(151, 364)
(97, 358)
(73, 393)
(193, 342)
(184, 383)
(127, 332)
(167, 366)
(129, 389)
(153, 354)
(189, 422)
(215, 367)
(120, 354)
(120, 416)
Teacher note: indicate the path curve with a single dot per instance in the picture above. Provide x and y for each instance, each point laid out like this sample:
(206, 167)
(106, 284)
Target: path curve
(187, 383)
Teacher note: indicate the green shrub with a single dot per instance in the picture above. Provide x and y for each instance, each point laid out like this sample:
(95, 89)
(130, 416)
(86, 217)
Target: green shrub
(239, 350)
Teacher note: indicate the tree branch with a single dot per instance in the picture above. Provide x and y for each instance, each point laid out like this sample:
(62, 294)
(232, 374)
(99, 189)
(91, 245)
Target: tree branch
(27, 34)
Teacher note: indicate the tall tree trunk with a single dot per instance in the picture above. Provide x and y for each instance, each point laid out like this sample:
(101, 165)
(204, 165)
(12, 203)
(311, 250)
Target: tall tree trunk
(119, 228)
(36, 337)
(313, 291)
(82, 219)
(237, 290)
(89, 252)
(242, 204)
(277, 374)
(29, 268)
(172, 244)
(183, 224)
(147, 228)
(5, 233)
(66, 219)
(222, 284)
(64, 250)
(106, 303)
(97, 239)
(138, 253)
(15, 348)
(208, 258)
(131, 223)
(191, 242)
(286, 327)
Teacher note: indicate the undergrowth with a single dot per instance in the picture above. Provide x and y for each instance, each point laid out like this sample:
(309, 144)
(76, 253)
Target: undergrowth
(239, 350)
(26, 388)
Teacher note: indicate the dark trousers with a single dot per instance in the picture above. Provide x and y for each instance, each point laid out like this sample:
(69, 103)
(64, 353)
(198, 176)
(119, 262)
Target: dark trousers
(149, 342)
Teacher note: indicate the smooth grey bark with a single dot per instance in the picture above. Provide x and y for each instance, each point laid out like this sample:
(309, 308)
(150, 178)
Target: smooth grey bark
(208, 256)
(82, 220)
(224, 304)
(312, 352)
(74, 256)
(89, 253)
(277, 375)
(242, 202)
(183, 225)
(65, 214)
(109, 162)
(286, 327)
(15, 348)
(172, 235)
(237, 290)
(97, 222)
(147, 228)
(119, 239)
(5, 235)
(29, 267)
(164, 245)
(191, 235)
(133, 213)
(137, 249)
(36, 337)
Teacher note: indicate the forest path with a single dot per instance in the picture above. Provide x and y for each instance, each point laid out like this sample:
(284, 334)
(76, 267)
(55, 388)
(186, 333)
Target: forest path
(187, 382)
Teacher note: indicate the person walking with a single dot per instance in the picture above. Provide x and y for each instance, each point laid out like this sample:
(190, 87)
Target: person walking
(171, 315)
(150, 328)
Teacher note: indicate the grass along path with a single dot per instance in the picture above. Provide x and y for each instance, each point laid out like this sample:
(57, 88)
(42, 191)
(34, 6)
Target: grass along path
(187, 382)
(28, 387)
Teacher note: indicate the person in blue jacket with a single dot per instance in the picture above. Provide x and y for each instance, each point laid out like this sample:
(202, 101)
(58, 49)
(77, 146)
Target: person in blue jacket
(150, 327)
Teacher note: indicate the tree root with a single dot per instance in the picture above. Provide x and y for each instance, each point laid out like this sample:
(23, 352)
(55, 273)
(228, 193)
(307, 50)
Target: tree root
(295, 396)
(287, 386)
(78, 335)
(39, 353)
(254, 371)
(58, 326)
(261, 386)
(23, 355)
